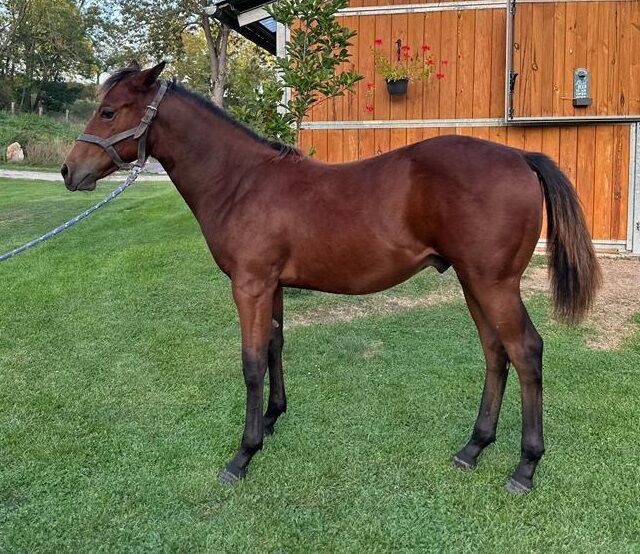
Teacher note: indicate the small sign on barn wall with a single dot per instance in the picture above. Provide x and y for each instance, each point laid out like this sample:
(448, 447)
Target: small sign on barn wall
(581, 97)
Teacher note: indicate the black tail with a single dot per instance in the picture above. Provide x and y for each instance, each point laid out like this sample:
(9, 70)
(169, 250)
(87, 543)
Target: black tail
(573, 267)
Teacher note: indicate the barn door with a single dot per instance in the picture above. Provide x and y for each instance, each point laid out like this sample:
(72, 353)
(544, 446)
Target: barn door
(574, 61)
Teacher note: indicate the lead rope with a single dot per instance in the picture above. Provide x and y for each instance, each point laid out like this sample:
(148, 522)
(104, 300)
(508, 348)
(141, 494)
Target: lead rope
(133, 175)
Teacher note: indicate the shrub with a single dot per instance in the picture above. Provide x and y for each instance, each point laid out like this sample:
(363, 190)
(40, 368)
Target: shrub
(48, 153)
(42, 138)
(82, 109)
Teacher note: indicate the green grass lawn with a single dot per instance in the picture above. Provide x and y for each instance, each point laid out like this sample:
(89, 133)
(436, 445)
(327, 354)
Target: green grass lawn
(29, 167)
(121, 396)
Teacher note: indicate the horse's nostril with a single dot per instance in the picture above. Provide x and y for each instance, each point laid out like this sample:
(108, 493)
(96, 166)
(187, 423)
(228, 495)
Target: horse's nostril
(64, 170)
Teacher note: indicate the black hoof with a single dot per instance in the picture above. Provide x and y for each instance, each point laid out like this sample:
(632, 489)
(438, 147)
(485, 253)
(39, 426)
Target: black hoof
(462, 462)
(516, 487)
(229, 475)
(268, 430)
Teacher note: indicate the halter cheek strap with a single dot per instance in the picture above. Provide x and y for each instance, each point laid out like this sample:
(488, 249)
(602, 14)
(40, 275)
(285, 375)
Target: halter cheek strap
(138, 133)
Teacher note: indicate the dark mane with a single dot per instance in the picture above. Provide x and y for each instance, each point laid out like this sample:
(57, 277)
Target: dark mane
(123, 74)
(283, 149)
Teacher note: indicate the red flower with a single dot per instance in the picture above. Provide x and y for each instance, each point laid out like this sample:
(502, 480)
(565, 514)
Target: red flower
(425, 47)
(378, 42)
(444, 62)
(370, 86)
(406, 48)
(405, 56)
(430, 61)
(439, 75)
(368, 108)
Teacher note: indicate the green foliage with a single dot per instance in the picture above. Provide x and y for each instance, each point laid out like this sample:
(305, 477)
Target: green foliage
(191, 66)
(317, 46)
(254, 94)
(173, 30)
(121, 396)
(250, 67)
(57, 96)
(157, 26)
(82, 108)
(45, 137)
(116, 40)
(261, 111)
(28, 128)
(44, 41)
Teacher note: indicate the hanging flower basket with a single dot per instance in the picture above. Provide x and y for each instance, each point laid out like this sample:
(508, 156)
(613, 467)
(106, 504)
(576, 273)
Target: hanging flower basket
(397, 87)
(403, 67)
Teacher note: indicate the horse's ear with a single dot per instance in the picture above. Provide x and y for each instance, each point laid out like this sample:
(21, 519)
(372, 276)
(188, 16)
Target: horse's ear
(151, 75)
(134, 65)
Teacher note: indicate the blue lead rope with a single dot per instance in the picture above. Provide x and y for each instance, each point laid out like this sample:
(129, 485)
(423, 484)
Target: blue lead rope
(133, 175)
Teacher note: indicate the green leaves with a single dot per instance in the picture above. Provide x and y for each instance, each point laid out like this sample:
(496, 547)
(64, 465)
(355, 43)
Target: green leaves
(318, 45)
(41, 41)
(262, 111)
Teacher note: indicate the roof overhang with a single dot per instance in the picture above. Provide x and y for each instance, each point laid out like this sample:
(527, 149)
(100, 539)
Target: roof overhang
(249, 18)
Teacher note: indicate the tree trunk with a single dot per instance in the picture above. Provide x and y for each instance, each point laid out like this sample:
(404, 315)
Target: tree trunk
(217, 48)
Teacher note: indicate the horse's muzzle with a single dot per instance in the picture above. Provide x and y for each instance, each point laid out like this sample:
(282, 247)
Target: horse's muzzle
(71, 181)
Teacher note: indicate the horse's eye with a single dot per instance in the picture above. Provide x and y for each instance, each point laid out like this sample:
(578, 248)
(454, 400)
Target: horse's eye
(107, 114)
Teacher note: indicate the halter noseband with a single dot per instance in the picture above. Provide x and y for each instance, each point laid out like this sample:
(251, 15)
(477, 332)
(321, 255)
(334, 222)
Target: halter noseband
(139, 133)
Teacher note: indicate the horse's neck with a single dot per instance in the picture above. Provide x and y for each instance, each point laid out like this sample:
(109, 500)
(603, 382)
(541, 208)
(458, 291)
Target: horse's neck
(204, 155)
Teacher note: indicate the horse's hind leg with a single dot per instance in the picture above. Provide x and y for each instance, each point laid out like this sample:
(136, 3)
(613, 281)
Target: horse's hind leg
(503, 308)
(277, 397)
(484, 430)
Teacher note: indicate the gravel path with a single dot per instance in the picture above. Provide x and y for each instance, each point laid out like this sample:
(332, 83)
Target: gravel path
(34, 175)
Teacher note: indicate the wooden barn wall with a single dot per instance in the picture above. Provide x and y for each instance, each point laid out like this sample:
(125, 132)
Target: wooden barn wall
(471, 42)
(551, 39)
(361, 3)
(601, 180)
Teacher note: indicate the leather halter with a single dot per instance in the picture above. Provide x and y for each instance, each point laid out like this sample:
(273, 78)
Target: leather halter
(138, 133)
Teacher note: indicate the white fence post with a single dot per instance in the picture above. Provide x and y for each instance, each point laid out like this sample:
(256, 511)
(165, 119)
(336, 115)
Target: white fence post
(633, 214)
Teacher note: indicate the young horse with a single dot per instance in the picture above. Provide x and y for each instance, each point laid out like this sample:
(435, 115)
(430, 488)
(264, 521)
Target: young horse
(274, 218)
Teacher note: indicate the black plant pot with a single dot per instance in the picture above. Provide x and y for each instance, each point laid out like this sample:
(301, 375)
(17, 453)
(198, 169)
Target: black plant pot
(397, 88)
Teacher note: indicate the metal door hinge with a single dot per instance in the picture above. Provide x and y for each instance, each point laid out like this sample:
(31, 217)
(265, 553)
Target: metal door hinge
(512, 80)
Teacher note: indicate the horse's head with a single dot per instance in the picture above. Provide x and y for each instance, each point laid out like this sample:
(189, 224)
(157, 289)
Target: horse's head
(124, 101)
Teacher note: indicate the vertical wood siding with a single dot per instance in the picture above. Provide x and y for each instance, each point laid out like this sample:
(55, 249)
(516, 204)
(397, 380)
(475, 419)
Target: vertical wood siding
(595, 157)
(552, 39)
(471, 42)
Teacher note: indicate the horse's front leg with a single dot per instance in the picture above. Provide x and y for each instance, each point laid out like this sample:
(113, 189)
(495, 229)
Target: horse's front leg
(277, 397)
(254, 300)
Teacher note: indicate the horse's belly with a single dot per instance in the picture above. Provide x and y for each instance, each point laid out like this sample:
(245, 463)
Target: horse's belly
(355, 272)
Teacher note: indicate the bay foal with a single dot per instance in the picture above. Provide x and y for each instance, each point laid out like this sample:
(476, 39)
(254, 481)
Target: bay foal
(274, 218)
